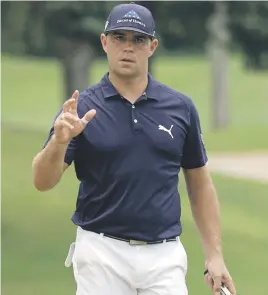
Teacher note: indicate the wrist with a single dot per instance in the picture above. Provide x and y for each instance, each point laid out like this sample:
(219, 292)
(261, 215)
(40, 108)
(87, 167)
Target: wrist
(58, 145)
(215, 253)
(213, 257)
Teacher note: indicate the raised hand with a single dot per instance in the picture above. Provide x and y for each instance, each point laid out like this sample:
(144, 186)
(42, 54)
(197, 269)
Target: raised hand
(68, 124)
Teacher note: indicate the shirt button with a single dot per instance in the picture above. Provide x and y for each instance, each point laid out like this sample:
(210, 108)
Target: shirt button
(135, 121)
(133, 107)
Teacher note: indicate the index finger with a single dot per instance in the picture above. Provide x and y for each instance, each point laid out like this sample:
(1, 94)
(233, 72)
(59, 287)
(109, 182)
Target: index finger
(73, 105)
(217, 285)
(68, 105)
(75, 94)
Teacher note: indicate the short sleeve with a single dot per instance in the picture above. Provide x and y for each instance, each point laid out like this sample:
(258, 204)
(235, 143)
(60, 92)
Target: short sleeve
(70, 152)
(194, 153)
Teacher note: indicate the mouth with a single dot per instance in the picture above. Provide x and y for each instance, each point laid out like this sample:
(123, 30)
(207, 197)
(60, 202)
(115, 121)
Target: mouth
(127, 60)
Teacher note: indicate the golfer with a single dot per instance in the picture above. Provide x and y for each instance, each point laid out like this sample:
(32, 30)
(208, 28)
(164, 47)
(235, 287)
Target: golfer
(128, 137)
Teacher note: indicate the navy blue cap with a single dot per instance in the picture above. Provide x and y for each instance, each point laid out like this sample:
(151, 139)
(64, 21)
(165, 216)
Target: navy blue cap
(131, 17)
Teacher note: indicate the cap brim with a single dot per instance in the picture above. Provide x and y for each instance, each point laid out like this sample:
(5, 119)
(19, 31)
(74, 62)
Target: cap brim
(129, 29)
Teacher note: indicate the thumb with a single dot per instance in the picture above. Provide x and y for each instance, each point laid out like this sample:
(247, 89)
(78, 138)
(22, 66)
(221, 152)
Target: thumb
(88, 116)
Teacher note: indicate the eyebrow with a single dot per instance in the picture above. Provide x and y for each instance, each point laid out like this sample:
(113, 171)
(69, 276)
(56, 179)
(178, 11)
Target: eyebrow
(135, 34)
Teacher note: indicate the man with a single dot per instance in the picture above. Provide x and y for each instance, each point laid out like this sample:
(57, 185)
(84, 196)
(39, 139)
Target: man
(128, 136)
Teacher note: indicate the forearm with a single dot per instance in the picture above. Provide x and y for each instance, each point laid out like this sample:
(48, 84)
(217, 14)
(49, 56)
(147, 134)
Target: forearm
(205, 209)
(206, 213)
(48, 165)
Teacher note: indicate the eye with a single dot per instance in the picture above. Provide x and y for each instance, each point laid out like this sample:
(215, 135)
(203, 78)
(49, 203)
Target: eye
(119, 37)
(139, 39)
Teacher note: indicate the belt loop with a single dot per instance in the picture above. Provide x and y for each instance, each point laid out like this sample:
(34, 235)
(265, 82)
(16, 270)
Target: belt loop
(102, 235)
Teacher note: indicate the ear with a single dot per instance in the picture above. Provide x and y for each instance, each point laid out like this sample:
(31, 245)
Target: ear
(103, 39)
(153, 47)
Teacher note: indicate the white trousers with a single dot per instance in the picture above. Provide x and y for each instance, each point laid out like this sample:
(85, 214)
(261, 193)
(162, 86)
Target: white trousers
(105, 266)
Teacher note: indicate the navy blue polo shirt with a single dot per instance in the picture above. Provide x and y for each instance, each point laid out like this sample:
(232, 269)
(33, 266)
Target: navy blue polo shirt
(128, 158)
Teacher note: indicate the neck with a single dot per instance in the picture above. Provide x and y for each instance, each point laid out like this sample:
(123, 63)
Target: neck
(130, 88)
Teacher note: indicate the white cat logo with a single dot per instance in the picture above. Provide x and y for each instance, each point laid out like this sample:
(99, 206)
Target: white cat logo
(160, 127)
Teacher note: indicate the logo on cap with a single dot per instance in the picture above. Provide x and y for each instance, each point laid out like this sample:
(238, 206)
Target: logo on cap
(132, 14)
(132, 18)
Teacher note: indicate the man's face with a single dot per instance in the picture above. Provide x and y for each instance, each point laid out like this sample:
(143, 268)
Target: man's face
(128, 52)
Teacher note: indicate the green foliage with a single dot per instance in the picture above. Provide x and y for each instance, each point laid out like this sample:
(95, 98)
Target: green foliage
(253, 17)
(249, 26)
(12, 29)
(180, 25)
(39, 24)
(83, 20)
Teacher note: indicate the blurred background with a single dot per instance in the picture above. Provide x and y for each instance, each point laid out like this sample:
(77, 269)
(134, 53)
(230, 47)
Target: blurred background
(215, 52)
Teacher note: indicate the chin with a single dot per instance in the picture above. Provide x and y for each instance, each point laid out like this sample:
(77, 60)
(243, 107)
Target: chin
(126, 72)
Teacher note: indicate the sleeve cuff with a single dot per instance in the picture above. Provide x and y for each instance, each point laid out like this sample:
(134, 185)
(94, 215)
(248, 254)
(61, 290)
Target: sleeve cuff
(200, 164)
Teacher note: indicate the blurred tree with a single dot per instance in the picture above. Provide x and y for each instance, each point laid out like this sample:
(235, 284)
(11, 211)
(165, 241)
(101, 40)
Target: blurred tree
(12, 28)
(33, 31)
(73, 33)
(218, 50)
(249, 26)
(70, 31)
(182, 24)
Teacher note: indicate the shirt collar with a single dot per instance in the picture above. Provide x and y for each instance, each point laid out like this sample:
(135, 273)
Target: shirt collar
(151, 92)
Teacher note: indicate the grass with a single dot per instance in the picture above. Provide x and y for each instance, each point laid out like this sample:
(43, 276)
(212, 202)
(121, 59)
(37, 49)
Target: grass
(37, 231)
(36, 227)
(32, 91)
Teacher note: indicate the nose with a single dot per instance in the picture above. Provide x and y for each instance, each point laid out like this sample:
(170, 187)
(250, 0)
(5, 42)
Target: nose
(129, 46)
